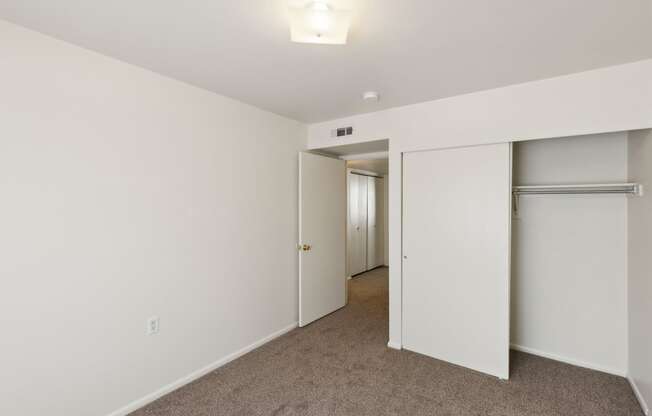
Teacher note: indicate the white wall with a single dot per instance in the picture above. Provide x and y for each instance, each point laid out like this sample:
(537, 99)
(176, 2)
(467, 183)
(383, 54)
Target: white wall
(123, 197)
(611, 99)
(569, 253)
(640, 267)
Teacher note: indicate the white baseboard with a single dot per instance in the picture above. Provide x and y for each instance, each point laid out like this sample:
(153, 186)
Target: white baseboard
(639, 396)
(394, 345)
(137, 404)
(614, 371)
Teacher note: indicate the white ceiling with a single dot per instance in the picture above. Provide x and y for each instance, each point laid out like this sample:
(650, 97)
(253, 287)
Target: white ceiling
(408, 50)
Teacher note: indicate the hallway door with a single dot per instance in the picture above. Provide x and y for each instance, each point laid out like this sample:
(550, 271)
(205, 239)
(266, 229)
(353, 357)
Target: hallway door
(322, 236)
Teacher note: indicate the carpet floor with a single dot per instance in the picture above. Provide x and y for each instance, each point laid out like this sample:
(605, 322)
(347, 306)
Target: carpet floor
(340, 365)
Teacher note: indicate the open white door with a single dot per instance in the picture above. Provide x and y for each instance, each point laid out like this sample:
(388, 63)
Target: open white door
(456, 255)
(322, 236)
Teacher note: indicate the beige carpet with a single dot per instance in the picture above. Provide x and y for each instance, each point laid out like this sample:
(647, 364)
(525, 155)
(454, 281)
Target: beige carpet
(340, 365)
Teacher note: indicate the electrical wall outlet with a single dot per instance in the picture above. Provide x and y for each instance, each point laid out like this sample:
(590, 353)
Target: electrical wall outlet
(152, 325)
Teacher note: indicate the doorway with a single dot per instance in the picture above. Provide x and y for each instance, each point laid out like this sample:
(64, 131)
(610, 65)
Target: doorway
(343, 227)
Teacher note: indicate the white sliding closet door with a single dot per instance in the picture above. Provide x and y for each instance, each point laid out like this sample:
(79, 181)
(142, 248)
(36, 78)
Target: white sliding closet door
(362, 221)
(372, 235)
(357, 224)
(456, 247)
(375, 247)
(380, 222)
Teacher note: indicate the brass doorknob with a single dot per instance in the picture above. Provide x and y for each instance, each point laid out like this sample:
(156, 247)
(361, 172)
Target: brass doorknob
(306, 247)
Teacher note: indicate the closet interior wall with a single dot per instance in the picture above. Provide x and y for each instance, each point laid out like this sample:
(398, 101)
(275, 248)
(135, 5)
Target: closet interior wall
(569, 253)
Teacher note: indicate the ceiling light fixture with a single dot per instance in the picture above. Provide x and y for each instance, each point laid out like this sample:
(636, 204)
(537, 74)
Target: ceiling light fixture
(318, 22)
(371, 96)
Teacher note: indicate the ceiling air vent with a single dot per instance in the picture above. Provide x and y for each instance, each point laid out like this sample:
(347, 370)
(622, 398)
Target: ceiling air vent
(342, 131)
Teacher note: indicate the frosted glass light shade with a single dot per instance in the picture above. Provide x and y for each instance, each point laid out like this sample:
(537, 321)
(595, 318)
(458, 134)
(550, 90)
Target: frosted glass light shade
(317, 22)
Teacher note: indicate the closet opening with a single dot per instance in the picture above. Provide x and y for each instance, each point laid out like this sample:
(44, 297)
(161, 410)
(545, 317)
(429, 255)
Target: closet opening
(532, 259)
(581, 234)
(569, 249)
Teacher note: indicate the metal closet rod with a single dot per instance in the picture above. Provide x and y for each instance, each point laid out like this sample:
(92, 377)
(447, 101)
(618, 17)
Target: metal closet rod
(613, 188)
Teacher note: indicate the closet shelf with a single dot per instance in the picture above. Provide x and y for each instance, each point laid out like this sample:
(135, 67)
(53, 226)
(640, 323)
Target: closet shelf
(584, 189)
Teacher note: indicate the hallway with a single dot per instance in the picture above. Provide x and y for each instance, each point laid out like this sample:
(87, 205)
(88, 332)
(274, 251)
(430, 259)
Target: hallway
(340, 365)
